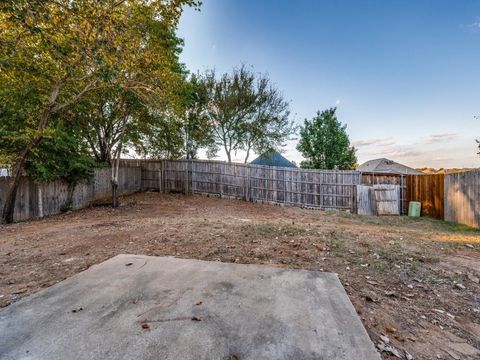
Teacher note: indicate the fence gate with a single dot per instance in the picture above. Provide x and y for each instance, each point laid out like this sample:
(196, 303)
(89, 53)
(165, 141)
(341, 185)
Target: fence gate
(387, 199)
(365, 200)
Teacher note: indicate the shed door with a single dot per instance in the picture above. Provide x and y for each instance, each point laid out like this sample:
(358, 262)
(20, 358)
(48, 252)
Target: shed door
(387, 199)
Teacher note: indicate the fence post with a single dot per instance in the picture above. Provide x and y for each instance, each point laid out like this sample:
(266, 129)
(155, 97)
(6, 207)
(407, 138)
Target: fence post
(185, 177)
(354, 198)
(221, 180)
(247, 184)
(192, 173)
(40, 201)
(164, 180)
(160, 178)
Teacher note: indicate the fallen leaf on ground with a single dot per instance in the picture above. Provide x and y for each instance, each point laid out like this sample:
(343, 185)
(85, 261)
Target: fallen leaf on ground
(390, 329)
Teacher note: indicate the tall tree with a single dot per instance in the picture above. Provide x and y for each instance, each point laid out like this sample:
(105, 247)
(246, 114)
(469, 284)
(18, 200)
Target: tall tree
(246, 111)
(182, 131)
(231, 100)
(77, 46)
(163, 138)
(268, 126)
(196, 126)
(324, 143)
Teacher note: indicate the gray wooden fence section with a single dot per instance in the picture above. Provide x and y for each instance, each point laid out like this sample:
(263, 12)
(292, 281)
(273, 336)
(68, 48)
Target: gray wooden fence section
(387, 199)
(54, 194)
(462, 198)
(366, 200)
(315, 188)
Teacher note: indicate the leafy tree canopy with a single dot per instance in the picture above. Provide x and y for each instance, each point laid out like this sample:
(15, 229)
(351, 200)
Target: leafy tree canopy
(324, 143)
(61, 155)
(53, 53)
(246, 111)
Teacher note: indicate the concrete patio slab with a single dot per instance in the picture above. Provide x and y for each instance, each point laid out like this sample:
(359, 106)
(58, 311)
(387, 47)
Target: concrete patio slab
(141, 307)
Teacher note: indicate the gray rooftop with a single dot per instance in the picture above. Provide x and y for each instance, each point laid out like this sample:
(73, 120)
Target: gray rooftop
(387, 166)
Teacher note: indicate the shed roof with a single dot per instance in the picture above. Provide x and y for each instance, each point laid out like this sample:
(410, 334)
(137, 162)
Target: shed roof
(387, 166)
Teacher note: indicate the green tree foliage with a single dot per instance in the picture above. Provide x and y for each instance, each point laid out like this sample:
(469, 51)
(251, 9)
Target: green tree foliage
(246, 112)
(182, 131)
(196, 126)
(60, 155)
(324, 143)
(269, 125)
(53, 53)
(163, 139)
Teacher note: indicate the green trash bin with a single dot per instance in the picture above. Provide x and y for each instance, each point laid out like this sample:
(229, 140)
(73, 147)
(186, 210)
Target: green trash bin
(414, 208)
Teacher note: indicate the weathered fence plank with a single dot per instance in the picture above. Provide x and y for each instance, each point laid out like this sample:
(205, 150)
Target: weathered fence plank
(428, 189)
(365, 200)
(387, 199)
(462, 198)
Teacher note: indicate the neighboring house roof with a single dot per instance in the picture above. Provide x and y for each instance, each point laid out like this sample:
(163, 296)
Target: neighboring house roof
(387, 166)
(273, 158)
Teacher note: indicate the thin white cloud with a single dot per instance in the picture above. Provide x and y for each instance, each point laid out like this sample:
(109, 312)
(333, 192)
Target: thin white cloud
(436, 138)
(377, 142)
(400, 151)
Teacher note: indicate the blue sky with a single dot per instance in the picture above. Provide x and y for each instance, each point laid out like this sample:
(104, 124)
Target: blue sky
(404, 75)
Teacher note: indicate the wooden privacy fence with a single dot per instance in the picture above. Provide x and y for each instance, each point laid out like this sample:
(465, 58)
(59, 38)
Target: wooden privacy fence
(38, 200)
(315, 188)
(429, 190)
(453, 197)
(462, 198)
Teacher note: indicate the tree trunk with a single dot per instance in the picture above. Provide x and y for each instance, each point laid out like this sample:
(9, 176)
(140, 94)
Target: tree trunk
(228, 151)
(248, 154)
(9, 207)
(114, 181)
(114, 194)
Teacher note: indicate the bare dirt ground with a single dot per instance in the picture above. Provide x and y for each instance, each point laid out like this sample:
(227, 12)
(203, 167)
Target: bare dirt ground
(414, 283)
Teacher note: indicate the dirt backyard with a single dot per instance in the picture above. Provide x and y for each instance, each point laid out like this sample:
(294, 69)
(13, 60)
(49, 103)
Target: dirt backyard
(414, 283)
